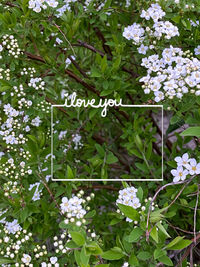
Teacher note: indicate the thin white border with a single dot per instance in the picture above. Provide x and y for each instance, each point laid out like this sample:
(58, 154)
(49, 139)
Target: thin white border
(107, 180)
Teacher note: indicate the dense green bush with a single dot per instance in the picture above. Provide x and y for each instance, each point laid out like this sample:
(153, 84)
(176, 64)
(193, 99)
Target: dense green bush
(140, 53)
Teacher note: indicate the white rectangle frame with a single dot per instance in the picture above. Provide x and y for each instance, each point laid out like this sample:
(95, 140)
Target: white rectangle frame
(111, 180)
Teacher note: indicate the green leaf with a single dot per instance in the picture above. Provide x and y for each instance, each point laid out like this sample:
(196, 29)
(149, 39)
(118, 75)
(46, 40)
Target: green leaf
(90, 214)
(156, 216)
(154, 234)
(78, 238)
(140, 193)
(135, 235)
(77, 257)
(180, 245)
(138, 142)
(133, 261)
(84, 257)
(144, 255)
(70, 174)
(111, 158)
(129, 212)
(158, 253)
(93, 249)
(191, 131)
(115, 221)
(113, 254)
(5, 261)
(95, 73)
(100, 150)
(174, 242)
(162, 229)
(166, 260)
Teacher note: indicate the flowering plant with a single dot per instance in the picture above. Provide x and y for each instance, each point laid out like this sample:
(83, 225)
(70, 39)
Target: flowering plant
(82, 189)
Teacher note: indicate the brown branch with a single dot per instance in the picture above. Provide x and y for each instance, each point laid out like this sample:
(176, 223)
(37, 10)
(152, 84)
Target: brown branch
(109, 57)
(50, 193)
(83, 83)
(78, 67)
(106, 48)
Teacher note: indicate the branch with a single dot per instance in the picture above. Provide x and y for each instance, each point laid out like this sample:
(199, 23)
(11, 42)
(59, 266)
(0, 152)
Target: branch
(187, 181)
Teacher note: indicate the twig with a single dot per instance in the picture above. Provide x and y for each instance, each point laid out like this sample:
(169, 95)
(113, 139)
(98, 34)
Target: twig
(187, 252)
(109, 57)
(154, 198)
(58, 27)
(191, 258)
(50, 193)
(195, 215)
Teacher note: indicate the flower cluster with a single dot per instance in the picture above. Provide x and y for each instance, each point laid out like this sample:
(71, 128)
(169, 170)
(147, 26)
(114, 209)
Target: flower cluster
(76, 138)
(28, 71)
(174, 74)
(64, 8)
(60, 244)
(197, 50)
(4, 74)
(37, 5)
(12, 241)
(44, 106)
(140, 35)
(135, 33)
(128, 197)
(74, 208)
(154, 12)
(11, 45)
(185, 166)
(36, 83)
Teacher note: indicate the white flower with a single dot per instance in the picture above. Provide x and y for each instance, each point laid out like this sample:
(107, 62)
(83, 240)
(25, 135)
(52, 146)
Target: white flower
(13, 227)
(36, 122)
(158, 96)
(183, 161)
(194, 167)
(142, 49)
(197, 50)
(59, 41)
(26, 259)
(179, 174)
(128, 197)
(53, 260)
(68, 61)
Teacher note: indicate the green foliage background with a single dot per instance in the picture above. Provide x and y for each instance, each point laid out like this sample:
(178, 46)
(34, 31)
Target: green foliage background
(105, 65)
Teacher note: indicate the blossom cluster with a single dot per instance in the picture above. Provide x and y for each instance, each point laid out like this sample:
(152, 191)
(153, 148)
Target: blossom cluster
(74, 208)
(141, 36)
(12, 241)
(11, 45)
(173, 75)
(185, 166)
(17, 120)
(128, 197)
(38, 5)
